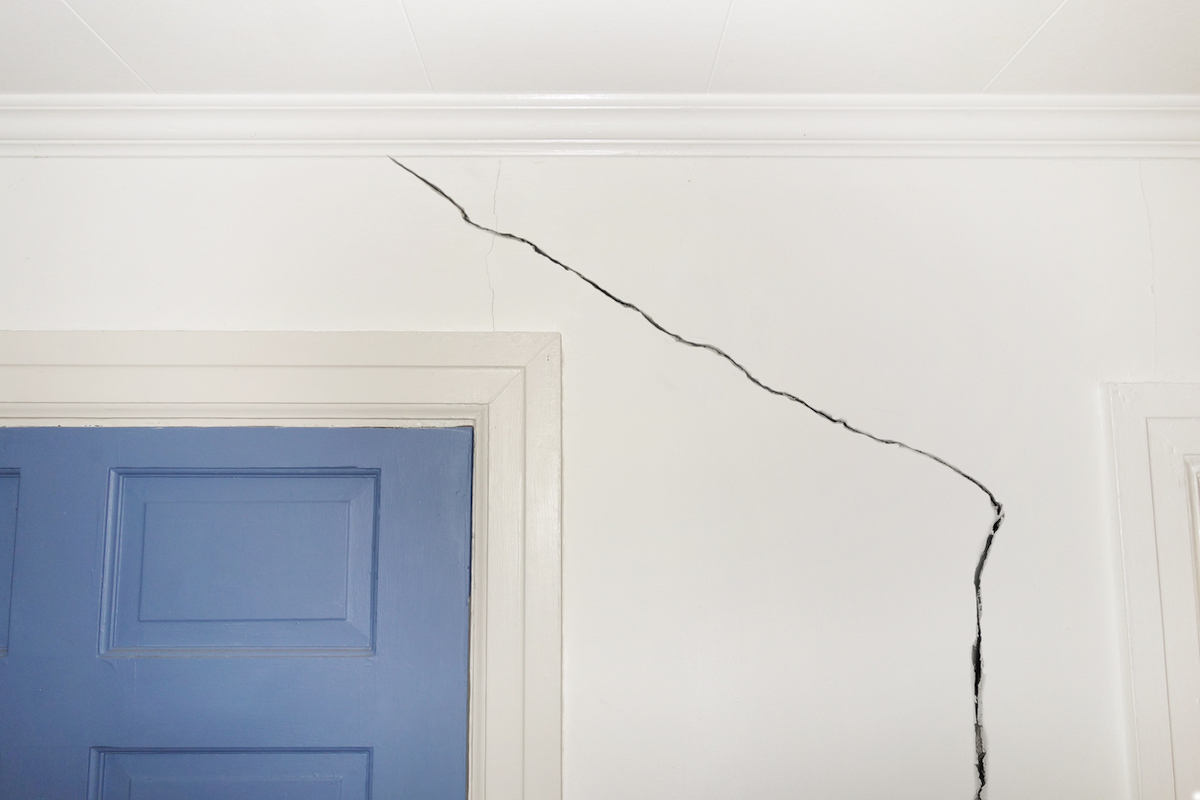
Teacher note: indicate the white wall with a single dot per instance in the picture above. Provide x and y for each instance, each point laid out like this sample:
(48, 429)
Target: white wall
(758, 604)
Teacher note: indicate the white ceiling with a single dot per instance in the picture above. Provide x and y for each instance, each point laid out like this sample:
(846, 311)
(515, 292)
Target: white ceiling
(604, 46)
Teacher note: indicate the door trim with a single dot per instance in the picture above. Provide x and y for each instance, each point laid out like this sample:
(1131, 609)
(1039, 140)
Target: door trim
(507, 386)
(1156, 444)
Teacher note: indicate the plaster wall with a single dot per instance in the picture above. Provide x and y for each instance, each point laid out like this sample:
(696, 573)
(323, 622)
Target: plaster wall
(757, 604)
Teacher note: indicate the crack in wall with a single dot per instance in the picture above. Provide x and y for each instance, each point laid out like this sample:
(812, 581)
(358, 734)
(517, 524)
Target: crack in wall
(487, 262)
(487, 268)
(997, 506)
(1153, 265)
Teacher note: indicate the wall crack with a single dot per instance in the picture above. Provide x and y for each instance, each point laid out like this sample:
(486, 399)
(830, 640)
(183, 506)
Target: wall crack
(996, 505)
(1153, 262)
(487, 257)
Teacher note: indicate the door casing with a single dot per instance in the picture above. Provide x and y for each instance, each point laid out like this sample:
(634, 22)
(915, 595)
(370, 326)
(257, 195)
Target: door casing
(507, 386)
(1156, 449)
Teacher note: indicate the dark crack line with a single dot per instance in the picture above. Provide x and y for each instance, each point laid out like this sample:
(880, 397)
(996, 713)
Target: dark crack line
(997, 506)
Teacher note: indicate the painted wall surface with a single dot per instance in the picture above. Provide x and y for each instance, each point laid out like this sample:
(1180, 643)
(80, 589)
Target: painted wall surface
(757, 604)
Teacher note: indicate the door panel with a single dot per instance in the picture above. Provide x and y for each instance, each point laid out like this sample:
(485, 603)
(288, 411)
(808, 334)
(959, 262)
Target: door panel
(230, 775)
(238, 612)
(217, 561)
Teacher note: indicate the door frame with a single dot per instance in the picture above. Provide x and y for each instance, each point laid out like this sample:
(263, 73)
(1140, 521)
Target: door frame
(507, 386)
(1156, 449)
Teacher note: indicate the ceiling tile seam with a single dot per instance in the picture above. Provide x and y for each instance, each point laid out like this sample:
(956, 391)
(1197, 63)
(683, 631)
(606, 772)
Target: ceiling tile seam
(1021, 49)
(712, 71)
(412, 34)
(110, 48)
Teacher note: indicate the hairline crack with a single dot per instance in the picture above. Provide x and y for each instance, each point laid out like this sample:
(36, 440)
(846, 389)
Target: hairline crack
(997, 506)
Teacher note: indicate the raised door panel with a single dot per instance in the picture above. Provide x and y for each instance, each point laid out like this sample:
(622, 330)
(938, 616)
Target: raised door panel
(221, 562)
(230, 775)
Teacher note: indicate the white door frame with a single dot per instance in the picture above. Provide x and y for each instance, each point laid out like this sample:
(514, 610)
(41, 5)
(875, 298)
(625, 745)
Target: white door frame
(505, 385)
(1156, 438)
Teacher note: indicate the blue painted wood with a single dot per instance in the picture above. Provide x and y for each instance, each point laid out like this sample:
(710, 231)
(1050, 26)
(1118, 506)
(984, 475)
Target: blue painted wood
(222, 562)
(10, 480)
(230, 775)
(235, 613)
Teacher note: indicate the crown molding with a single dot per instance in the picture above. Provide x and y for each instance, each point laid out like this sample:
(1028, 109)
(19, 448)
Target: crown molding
(927, 126)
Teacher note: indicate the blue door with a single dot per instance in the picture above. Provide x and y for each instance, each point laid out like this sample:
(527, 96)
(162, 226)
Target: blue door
(234, 613)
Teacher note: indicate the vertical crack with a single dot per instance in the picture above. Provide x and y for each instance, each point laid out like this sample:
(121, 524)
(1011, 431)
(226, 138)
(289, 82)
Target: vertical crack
(997, 506)
(1153, 266)
(487, 268)
(487, 262)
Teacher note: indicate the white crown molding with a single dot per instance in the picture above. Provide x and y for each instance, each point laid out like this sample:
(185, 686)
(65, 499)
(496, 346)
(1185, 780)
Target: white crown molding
(1142, 126)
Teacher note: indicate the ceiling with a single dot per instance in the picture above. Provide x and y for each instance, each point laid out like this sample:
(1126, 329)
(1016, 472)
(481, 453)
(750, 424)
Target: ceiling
(613, 46)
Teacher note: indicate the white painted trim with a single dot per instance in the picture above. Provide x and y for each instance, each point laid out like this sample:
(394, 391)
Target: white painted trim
(506, 385)
(1156, 437)
(1075, 126)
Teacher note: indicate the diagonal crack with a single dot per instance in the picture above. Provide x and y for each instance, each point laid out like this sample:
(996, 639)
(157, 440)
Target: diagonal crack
(997, 506)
